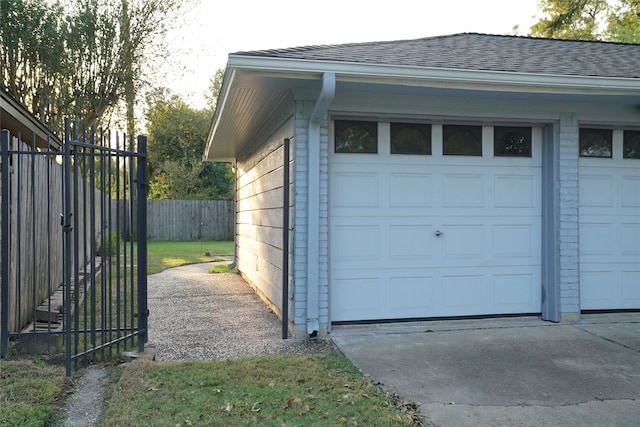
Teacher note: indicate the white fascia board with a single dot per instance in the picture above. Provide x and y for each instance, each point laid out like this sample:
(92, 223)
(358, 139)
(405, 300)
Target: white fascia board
(441, 77)
(222, 100)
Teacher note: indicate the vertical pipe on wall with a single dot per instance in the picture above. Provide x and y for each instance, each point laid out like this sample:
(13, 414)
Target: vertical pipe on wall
(319, 113)
(234, 167)
(285, 239)
(550, 309)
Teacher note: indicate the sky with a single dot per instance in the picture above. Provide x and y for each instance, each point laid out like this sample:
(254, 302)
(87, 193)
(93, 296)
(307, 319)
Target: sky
(210, 30)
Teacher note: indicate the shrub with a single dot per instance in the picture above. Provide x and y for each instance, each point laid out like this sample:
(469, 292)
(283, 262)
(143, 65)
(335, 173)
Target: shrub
(108, 245)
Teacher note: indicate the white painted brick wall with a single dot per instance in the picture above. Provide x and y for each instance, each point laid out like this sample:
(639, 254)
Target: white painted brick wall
(323, 273)
(303, 109)
(568, 206)
(300, 227)
(301, 188)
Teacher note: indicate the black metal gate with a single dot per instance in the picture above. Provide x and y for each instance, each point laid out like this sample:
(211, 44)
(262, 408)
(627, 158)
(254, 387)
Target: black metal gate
(74, 257)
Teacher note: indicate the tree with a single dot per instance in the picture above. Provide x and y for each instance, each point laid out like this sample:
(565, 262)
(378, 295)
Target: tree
(589, 20)
(176, 139)
(215, 83)
(79, 59)
(624, 22)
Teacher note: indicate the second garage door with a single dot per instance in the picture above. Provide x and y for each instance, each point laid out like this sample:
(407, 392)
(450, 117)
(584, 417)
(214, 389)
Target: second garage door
(452, 229)
(609, 219)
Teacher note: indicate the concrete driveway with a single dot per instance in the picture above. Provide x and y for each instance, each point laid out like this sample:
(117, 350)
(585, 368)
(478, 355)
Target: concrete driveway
(508, 372)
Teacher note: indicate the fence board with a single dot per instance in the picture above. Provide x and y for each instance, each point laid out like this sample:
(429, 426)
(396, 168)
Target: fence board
(190, 219)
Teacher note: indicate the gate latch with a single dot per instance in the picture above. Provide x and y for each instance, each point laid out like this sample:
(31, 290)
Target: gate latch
(65, 228)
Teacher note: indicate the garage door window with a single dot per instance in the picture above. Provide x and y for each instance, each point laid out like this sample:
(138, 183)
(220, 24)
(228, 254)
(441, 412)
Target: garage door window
(461, 140)
(595, 143)
(631, 144)
(410, 138)
(512, 141)
(356, 136)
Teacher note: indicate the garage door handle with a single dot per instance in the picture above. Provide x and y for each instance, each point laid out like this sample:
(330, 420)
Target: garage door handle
(439, 233)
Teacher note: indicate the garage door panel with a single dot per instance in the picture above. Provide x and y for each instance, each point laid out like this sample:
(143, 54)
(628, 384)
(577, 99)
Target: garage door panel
(463, 191)
(515, 191)
(357, 189)
(596, 191)
(631, 288)
(432, 292)
(596, 239)
(596, 291)
(411, 242)
(630, 240)
(515, 291)
(356, 297)
(463, 241)
(421, 290)
(514, 241)
(464, 293)
(410, 190)
(631, 191)
(356, 243)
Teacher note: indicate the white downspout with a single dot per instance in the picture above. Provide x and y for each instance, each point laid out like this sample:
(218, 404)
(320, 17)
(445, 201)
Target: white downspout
(319, 114)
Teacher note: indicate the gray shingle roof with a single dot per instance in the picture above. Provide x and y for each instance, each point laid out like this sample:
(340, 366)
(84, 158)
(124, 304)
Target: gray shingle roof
(472, 51)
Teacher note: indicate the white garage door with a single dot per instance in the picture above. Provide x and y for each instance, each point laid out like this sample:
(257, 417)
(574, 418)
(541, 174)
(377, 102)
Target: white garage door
(609, 222)
(421, 236)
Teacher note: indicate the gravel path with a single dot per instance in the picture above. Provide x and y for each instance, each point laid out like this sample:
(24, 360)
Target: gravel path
(195, 315)
(84, 406)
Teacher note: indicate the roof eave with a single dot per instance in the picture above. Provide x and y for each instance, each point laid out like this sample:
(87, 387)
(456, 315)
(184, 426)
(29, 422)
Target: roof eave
(21, 115)
(227, 81)
(448, 77)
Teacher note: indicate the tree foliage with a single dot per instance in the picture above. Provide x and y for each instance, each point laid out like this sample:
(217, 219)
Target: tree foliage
(69, 58)
(611, 20)
(215, 83)
(176, 139)
(624, 22)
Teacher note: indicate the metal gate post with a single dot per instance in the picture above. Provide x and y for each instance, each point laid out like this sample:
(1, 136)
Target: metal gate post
(4, 288)
(66, 242)
(141, 217)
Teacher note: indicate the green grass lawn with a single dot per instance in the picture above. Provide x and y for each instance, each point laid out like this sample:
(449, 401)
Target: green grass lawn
(320, 390)
(164, 254)
(30, 392)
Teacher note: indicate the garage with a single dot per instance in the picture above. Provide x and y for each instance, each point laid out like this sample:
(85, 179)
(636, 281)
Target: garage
(433, 178)
(609, 194)
(433, 220)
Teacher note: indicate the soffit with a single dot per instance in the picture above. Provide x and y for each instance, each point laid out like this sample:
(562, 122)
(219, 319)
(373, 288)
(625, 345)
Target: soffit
(249, 103)
(254, 88)
(18, 120)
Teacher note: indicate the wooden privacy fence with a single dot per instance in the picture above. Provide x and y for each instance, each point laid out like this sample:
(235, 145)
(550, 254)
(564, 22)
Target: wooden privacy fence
(190, 219)
(35, 204)
(35, 253)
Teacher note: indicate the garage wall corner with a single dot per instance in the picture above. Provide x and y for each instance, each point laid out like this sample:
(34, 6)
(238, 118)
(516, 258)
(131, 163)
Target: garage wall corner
(568, 215)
